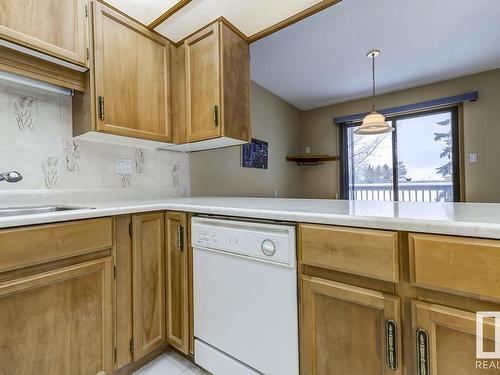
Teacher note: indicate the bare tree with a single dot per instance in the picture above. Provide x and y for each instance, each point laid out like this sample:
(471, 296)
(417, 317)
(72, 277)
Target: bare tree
(361, 148)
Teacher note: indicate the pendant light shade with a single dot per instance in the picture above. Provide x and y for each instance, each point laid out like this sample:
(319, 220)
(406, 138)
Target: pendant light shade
(374, 122)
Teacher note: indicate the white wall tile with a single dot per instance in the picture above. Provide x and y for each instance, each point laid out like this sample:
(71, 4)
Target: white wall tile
(40, 133)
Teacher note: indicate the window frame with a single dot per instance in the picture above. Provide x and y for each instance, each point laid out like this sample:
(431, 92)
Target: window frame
(456, 150)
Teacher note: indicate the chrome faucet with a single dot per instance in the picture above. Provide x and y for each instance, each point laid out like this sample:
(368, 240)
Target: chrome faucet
(11, 176)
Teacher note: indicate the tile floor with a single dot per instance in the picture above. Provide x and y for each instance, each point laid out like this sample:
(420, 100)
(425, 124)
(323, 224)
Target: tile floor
(171, 363)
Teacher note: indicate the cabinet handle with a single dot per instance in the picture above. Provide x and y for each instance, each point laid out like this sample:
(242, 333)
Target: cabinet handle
(422, 348)
(101, 108)
(180, 238)
(216, 115)
(391, 346)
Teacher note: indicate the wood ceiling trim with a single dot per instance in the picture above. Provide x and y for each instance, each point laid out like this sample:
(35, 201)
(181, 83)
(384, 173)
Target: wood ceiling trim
(219, 19)
(250, 39)
(157, 22)
(133, 19)
(292, 19)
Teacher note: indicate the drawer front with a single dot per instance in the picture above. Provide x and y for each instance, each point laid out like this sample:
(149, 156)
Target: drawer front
(27, 246)
(365, 252)
(467, 266)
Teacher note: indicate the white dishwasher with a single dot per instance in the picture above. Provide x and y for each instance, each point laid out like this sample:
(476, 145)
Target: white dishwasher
(245, 297)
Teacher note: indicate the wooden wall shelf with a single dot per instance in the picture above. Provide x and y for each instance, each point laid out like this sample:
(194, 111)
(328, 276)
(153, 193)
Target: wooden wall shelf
(309, 159)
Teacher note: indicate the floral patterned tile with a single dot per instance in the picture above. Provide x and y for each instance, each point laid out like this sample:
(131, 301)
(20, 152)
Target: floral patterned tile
(37, 140)
(25, 111)
(140, 161)
(72, 154)
(50, 172)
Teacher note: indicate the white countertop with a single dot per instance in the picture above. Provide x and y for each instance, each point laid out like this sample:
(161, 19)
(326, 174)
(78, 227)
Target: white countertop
(466, 219)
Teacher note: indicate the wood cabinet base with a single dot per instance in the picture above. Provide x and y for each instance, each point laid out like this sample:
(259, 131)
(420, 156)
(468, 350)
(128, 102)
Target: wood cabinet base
(58, 322)
(345, 330)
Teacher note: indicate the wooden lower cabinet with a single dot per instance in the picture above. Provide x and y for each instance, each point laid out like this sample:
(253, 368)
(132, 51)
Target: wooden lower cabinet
(58, 322)
(148, 283)
(345, 329)
(153, 304)
(445, 341)
(177, 261)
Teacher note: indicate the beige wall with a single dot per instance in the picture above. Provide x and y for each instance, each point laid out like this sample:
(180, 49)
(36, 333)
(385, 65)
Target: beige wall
(219, 172)
(288, 131)
(481, 134)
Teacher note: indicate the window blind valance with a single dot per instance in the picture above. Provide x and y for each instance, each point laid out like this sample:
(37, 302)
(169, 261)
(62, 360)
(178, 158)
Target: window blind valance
(430, 104)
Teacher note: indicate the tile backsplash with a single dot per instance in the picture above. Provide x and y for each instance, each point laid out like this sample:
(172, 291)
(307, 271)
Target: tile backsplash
(36, 140)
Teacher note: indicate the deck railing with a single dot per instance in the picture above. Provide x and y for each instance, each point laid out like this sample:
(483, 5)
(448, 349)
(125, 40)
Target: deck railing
(408, 191)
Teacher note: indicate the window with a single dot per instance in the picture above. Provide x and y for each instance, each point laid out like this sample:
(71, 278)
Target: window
(418, 162)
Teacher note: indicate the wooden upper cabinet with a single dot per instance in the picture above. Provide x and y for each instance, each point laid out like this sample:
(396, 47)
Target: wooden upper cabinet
(217, 75)
(177, 281)
(148, 280)
(348, 330)
(58, 28)
(445, 341)
(131, 77)
(203, 89)
(58, 322)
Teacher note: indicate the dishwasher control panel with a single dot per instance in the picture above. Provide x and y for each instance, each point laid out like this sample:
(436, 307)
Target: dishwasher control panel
(271, 242)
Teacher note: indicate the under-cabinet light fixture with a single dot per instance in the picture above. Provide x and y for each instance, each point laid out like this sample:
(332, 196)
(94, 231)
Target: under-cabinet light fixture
(35, 83)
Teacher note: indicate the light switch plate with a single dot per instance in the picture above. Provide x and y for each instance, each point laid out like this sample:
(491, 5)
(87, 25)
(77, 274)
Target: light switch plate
(472, 158)
(123, 166)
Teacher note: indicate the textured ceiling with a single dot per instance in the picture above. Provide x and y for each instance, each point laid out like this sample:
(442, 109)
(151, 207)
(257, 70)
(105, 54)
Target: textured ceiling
(322, 59)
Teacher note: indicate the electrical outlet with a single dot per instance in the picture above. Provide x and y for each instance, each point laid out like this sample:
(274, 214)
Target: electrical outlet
(472, 158)
(123, 166)
(308, 150)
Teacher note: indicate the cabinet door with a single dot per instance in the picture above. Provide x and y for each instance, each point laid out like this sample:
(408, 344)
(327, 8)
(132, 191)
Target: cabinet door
(348, 330)
(177, 281)
(131, 78)
(203, 84)
(445, 341)
(148, 279)
(56, 27)
(124, 297)
(58, 322)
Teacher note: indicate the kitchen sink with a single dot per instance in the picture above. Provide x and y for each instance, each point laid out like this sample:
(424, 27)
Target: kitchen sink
(16, 211)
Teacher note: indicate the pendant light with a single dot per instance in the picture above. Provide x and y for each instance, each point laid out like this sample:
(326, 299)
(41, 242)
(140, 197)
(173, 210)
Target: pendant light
(374, 122)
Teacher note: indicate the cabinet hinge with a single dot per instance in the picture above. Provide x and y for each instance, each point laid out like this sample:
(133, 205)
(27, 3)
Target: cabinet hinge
(88, 53)
(132, 346)
(101, 108)
(86, 10)
(115, 355)
(114, 272)
(130, 229)
(216, 115)
(180, 237)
